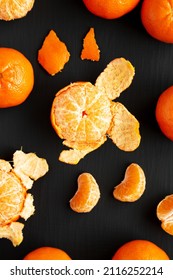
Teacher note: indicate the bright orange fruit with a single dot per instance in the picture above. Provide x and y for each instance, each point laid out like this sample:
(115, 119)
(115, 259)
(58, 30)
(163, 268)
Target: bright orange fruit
(47, 253)
(140, 250)
(12, 9)
(132, 186)
(165, 213)
(110, 9)
(90, 48)
(164, 112)
(53, 54)
(87, 194)
(16, 77)
(156, 16)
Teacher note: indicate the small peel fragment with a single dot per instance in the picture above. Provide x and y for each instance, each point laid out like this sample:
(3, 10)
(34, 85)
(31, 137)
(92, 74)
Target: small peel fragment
(28, 208)
(13, 232)
(124, 128)
(115, 78)
(53, 54)
(90, 49)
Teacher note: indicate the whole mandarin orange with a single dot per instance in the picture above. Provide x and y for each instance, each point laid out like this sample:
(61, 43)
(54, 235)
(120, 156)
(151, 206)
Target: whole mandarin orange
(110, 9)
(140, 250)
(16, 77)
(47, 253)
(156, 16)
(164, 112)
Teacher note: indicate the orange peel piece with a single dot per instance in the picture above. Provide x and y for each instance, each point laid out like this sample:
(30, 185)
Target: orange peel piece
(90, 49)
(165, 213)
(87, 194)
(133, 185)
(12, 232)
(53, 54)
(115, 78)
(12, 9)
(124, 128)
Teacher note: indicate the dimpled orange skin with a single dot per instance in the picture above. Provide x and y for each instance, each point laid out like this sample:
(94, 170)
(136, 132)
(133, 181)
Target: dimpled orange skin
(16, 77)
(164, 112)
(110, 9)
(140, 250)
(47, 253)
(156, 16)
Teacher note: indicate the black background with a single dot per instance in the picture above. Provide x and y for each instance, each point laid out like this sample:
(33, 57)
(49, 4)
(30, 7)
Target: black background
(98, 234)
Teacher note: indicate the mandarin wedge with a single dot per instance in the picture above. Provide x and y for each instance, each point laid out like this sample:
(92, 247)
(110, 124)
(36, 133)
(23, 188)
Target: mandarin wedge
(84, 115)
(133, 185)
(53, 54)
(15, 202)
(87, 194)
(165, 213)
(90, 49)
(12, 9)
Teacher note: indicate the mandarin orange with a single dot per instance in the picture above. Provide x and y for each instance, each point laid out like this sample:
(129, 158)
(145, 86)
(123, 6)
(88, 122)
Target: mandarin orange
(16, 77)
(12, 9)
(156, 16)
(164, 112)
(87, 194)
(140, 250)
(47, 253)
(110, 9)
(165, 213)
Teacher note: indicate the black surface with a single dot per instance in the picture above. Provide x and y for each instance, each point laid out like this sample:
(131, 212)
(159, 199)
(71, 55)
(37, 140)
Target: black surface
(98, 234)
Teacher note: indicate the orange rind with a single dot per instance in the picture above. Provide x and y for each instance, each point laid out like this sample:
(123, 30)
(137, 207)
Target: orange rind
(15, 202)
(133, 185)
(12, 9)
(84, 115)
(87, 194)
(165, 213)
(90, 49)
(53, 55)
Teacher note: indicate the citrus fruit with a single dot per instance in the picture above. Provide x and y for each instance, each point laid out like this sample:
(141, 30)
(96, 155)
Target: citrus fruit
(12, 9)
(16, 77)
(165, 213)
(15, 202)
(53, 54)
(110, 9)
(156, 16)
(164, 112)
(133, 185)
(140, 250)
(90, 48)
(87, 194)
(83, 114)
(47, 253)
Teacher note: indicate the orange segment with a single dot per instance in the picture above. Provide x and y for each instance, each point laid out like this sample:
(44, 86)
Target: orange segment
(90, 48)
(165, 213)
(12, 9)
(53, 54)
(116, 77)
(133, 185)
(87, 194)
(124, 128)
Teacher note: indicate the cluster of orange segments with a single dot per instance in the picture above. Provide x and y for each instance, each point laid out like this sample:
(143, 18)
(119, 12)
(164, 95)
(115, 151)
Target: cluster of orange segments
(17, 81)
